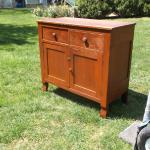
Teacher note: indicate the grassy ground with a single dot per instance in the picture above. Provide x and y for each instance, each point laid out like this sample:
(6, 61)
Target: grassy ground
(58, 120)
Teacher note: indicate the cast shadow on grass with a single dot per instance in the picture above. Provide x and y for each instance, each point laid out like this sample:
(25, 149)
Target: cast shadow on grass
(133, 110)
(15, 11)
(14, 34)
(76, 98)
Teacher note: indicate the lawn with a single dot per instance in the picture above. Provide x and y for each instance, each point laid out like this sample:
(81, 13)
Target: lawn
(59, 120)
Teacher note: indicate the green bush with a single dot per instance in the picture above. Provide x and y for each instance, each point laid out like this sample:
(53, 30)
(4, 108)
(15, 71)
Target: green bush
(97, 9)
(54, 11)
(146, 9)
(129, 8)
(93, 8)
(124, 8)
(38, 11)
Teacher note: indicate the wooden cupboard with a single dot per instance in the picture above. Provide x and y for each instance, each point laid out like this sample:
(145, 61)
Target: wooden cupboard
(91, 58)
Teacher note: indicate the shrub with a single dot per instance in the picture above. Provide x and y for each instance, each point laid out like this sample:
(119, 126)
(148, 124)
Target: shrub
(126, 8)
(97, 9)
(93, 8)
(38, 11)
(54, 11)
(146, 9)
(129, 8)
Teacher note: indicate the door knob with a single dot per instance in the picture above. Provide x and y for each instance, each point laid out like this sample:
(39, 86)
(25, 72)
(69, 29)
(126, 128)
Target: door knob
(54, 34)
(69, 58)
(70, 69)
(84, 39)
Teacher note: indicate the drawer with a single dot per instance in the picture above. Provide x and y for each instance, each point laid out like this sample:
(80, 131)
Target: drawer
(87, 39)
(55, 34)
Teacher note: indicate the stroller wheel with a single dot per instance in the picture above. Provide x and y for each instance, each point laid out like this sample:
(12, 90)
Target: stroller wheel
(143, 139)
(147, 144)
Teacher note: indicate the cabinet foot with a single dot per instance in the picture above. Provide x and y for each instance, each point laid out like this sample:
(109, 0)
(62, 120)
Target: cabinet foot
(124, 97)
(103, 112)
(45, 87)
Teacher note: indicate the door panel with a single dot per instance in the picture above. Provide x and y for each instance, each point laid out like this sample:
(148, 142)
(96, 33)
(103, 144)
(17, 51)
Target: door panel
(55, 57)
(86, 71)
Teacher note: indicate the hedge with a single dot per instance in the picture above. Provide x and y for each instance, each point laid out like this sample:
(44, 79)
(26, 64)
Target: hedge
(93, 8)
(129, 8)
(124, 8)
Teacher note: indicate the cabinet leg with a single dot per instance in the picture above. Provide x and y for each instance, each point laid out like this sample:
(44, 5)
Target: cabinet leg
(45, 87)
(124, 97)
(103, 112)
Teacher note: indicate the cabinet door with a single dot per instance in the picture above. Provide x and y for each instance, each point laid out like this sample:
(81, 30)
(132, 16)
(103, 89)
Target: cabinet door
(86, 71)
(56, 65)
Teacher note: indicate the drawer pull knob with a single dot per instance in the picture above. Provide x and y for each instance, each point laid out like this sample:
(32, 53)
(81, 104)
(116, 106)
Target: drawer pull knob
(70, 69)
(69, 58)
(84, 39)
(54, 34)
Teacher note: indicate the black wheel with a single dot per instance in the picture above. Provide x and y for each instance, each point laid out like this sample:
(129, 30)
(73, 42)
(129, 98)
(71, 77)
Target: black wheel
(143, 139)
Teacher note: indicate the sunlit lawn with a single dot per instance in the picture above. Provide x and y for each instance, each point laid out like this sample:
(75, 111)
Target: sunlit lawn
(59, 120)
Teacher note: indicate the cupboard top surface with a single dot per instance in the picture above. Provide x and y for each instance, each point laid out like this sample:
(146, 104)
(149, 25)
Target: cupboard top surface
(88, 23)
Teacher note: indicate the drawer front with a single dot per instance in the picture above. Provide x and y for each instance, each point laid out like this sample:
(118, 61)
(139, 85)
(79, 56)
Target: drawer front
(55, 35)
(87, 39)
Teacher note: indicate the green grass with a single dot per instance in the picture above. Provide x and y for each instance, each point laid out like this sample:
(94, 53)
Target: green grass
(59, 120)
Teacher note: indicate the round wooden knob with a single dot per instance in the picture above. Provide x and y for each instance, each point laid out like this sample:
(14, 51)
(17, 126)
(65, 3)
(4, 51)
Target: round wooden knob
(54, 34)
(84, 39)
(70, 69)
(69, 58)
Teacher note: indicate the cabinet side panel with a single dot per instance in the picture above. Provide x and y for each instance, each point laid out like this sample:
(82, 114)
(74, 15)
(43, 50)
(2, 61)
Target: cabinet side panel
(105, 75)
(120, 61)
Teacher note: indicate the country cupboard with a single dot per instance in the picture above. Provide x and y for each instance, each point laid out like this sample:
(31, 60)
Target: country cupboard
(91, 58)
